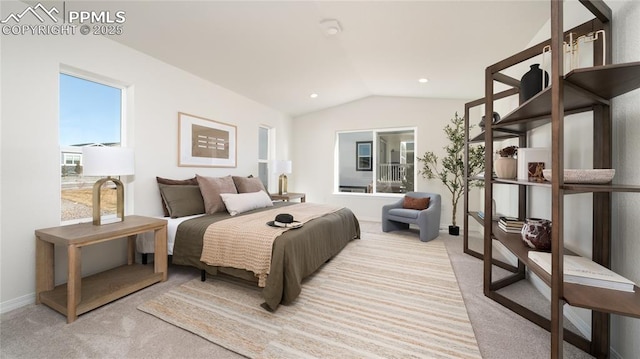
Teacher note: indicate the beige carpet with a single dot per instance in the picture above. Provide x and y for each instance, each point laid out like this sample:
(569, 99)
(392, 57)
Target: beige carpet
(382, 296)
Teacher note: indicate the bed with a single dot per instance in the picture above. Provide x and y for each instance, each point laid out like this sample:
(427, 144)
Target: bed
(296, 253)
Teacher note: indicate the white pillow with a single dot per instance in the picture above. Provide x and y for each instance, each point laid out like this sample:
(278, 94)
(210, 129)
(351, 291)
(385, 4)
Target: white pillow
(242, 202)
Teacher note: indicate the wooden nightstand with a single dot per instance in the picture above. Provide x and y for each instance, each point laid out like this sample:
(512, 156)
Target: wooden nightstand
(80, 295)
(288, 196)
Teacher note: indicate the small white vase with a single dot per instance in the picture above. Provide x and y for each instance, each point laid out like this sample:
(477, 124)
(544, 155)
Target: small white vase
(506, 167)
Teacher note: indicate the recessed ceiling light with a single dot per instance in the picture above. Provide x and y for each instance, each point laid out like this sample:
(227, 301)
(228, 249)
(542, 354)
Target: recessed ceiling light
(313, 95)
(423, 80)
(330, 27)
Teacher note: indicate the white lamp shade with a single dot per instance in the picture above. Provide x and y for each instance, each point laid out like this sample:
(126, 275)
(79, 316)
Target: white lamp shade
(282, 167)
(107, 161)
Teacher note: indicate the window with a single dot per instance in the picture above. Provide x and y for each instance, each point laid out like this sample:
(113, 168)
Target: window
(364, 156)
(263, 155)
(72, 159)
(90, 113)
(376, 161)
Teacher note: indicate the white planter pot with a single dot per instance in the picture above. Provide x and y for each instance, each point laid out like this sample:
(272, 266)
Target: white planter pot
(506, 167)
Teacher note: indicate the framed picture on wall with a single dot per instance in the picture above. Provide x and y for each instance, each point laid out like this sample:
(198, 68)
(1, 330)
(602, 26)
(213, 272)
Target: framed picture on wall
(364, 159)
(205, 143)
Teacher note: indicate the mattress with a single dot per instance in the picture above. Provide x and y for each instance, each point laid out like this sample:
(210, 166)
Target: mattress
(145, 241)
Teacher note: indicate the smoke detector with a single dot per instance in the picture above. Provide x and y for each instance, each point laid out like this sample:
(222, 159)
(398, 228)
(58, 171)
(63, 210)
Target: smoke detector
(330, 27)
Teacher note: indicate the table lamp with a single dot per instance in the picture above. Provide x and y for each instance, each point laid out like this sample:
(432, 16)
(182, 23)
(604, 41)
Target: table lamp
(282, 167)
(101, 161)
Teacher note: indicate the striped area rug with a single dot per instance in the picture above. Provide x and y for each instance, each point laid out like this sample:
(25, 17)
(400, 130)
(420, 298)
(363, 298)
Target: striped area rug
(383, 296)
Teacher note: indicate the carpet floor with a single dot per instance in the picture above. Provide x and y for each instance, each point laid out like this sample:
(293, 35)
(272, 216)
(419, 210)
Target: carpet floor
(383, 296)
(120, 330)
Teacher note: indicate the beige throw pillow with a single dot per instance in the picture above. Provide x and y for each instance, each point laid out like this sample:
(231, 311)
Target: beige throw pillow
(243, 202)
(211, 188)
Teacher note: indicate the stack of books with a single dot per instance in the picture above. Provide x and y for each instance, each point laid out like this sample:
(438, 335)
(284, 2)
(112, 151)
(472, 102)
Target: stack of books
(510, 224)
(581, 270)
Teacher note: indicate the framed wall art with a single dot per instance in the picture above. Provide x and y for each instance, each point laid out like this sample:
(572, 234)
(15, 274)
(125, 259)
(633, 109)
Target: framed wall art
(205, 143)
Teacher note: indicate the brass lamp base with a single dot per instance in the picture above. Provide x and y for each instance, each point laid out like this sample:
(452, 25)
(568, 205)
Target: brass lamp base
(97, 218)
(282, 184)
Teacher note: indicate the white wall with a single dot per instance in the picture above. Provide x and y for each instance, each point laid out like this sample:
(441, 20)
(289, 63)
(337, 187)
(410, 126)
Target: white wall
(315, 135)
(625, 251)
(29, 140)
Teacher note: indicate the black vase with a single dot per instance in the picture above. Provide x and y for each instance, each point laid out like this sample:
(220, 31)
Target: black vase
(496, 118)
(531, 82)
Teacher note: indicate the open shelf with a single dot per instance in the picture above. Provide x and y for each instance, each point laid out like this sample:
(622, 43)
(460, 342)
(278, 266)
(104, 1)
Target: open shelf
(477, 217)
(536, 111)
(99, 289)
(604, 300)
(498, 135)
(570, 187)
(494, 261)
(583, 88)
(607, 81)
(582, 188)
(521, 182)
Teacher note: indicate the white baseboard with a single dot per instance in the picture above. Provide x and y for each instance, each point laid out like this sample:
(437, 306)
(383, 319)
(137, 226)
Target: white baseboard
(16, 303)
(615, 354)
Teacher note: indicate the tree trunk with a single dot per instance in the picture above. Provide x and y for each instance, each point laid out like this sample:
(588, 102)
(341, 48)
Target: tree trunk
(453, 215)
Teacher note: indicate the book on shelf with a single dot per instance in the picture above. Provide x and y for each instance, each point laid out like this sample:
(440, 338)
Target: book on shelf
(511, 220)
(581, 270)
(510, 224)
(509, 229)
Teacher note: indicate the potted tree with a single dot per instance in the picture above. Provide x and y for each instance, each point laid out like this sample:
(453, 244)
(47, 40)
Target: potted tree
(450, 171)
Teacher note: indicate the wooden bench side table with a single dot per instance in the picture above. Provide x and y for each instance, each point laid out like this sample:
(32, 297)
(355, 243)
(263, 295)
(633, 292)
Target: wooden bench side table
(80, 295)
(289, 196)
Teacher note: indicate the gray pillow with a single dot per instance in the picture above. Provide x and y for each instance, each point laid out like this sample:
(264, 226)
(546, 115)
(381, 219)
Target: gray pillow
(182, 200)
(248, 184)
(211, 187)
(167, 181)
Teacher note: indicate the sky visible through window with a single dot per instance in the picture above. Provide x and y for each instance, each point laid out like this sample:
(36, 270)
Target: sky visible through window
(89, 112)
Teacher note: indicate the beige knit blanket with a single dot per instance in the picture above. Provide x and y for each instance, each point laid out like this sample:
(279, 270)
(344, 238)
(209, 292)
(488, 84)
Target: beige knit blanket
(246, 242)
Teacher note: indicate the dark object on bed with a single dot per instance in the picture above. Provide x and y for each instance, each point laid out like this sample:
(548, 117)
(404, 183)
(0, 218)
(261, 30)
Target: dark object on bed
(296, 253)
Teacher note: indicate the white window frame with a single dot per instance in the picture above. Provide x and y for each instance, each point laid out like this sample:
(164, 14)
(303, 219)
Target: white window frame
(374, 171)
(124, 97)
(270, 152)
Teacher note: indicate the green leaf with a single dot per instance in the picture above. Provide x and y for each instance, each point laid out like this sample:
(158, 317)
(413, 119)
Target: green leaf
(451, 168)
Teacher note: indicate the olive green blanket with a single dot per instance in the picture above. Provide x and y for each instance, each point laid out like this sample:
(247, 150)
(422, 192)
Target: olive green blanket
(296, 253)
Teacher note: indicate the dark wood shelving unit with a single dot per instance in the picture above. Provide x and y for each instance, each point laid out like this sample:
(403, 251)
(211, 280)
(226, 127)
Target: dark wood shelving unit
(500, 134)
(587, 89)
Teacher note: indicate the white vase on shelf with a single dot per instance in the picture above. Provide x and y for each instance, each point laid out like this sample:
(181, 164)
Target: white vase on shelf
(506, 167)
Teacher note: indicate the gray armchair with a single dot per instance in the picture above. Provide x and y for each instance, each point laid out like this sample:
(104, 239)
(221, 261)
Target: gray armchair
(395, 217)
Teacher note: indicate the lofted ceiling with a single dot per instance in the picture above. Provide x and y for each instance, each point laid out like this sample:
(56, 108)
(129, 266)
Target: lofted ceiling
(277, 53)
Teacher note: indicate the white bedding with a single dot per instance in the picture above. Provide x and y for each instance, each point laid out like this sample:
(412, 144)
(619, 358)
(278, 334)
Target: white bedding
(145, 241)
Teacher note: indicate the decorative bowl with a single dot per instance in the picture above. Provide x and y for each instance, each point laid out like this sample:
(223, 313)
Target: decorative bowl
(596, 176)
